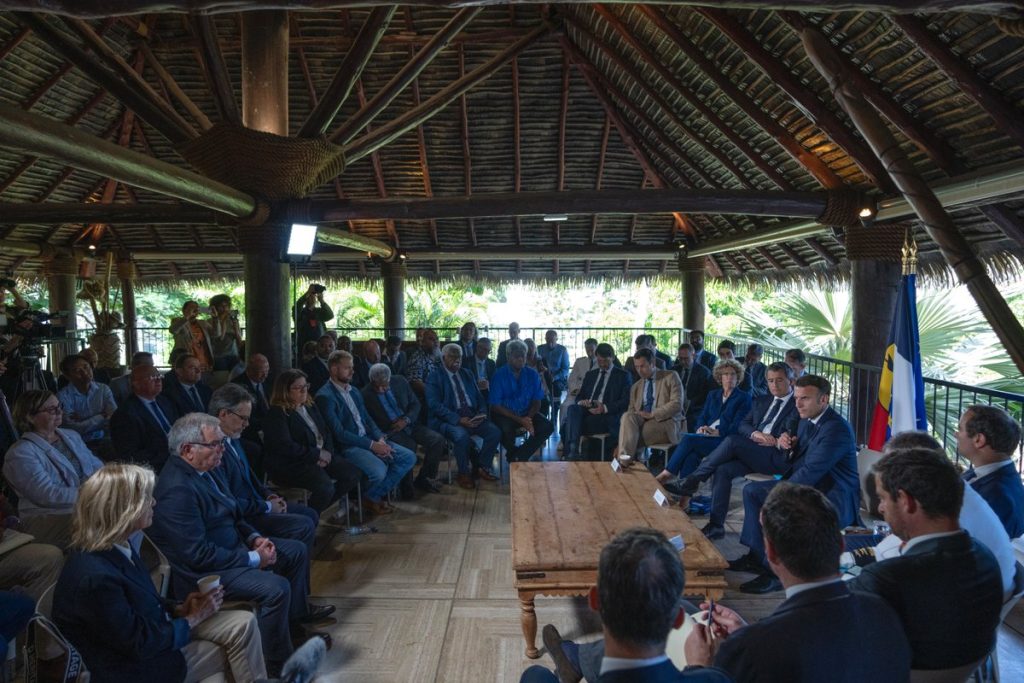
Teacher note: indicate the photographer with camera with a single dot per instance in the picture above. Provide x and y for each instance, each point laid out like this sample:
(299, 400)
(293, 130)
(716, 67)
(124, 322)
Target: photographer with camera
(192, 336)
(20, 350)
(227, 335)
(311, 312)
(9, 313)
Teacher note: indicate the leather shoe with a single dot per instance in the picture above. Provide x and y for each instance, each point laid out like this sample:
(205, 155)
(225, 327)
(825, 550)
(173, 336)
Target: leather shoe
(766, 583)
(747, 563)
(427, 486)
(465, 481)
(713, 532)
(567, 673)
(301, 635)
(317, 613)
(376, 507)
(485, 474)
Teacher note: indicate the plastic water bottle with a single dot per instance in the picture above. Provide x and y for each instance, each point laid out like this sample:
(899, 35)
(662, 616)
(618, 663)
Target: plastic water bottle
(360, 530)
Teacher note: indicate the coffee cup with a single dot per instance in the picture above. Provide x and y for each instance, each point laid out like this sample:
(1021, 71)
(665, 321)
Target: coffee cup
(625, 460)
(208, 583)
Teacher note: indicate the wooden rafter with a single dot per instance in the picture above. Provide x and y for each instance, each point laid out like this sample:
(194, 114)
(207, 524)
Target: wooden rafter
(378, 173)
(174, 89)
(467, 158)
(216, 70)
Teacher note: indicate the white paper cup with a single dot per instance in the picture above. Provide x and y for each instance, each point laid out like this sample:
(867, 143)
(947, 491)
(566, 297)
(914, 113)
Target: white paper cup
(208, 583)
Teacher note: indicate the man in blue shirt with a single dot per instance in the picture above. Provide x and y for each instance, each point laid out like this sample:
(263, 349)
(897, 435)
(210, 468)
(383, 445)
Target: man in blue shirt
(556, 358)
(87, 405)
(515, 396)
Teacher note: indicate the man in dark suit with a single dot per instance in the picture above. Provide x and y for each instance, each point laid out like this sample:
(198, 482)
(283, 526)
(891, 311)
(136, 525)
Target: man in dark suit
(702, 355)
(139, 426)
(513, 334)
(754, 448)
(185, 388)
(945, 586)
(199, 527)
(987, 436)
(316, 368)
(467, 340)
(369, 356)
(393, 405)
(254, 380)
(814, 635)
(480, 363)
(394, 356)
(823, 455)
(639, 581)
(270, 514)
(754, 380)
(598, 407)
(458, 410)
(697, 383)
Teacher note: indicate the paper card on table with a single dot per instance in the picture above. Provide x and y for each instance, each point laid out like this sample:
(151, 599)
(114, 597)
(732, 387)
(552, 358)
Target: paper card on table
(659, 497)
(615, 465)
(677, 541)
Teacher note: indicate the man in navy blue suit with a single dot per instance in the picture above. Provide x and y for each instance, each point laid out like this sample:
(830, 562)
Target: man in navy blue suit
(823, 454)
(599, 405)
(139, 426)
(185, 388)
(754, 448)
(639, 581)
(987, 436)
(316, 367)
(198, 525)
(697, 384)
(811, 636)
(702, 355)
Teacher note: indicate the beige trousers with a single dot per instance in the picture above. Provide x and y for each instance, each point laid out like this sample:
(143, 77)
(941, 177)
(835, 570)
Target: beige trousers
(635, 432)
(34, 567)
(225, 647)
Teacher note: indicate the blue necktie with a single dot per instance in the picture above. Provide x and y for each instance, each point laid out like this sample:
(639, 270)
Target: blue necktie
(196, 401)
(970, 475)
(772, 412)
(649, 397)
(161, 419)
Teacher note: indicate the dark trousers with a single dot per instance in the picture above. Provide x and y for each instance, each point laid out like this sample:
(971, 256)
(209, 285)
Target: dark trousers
(298, 524)
(754, 495)
(322, 491)
(689, 453)
(734, 457)
(579, 422)
(542, 429)
(280, 591)
(433, 447)
(15, 611)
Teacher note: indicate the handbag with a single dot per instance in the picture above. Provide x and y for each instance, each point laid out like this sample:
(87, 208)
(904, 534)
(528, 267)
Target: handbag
(53, 659)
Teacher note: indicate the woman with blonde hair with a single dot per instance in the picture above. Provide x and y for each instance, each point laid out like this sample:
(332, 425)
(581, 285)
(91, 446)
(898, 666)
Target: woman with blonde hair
(46, 466)
(298, 448)
(105, 602)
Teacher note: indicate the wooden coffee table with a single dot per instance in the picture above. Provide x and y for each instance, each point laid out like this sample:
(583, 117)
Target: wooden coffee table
(563, 514)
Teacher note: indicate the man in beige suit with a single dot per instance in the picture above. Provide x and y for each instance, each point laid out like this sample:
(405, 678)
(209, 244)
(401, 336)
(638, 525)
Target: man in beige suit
(655, 414)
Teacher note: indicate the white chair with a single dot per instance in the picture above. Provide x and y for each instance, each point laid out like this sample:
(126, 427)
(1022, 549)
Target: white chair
(988, 671)
(602, 437)
(157, 563)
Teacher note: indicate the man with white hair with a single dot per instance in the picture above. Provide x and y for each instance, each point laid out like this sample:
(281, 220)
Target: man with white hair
(393, 405)
(515, 395)
(198, 525)
(513, 334)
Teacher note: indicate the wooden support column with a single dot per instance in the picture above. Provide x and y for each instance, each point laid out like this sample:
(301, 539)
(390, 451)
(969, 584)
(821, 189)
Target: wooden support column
(873, 289)
(127, 274)
(692, 272)
(940, 227)
(265, 108)
(394, 274)
(61, 281)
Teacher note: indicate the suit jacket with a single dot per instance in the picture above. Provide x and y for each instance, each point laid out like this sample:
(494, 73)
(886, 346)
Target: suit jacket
(489, 367)
(616, 390)
(109, 609)
(234, 469)
(815, 636)
(699, 384)
(200, 530)
(340, 420)
(121, 388)
(260, 405)
(397, 363)
(136, 434)
(317, 373)
(754, 380)
(289, 441)
(728, 414)
(1003, 491)
(175, 392)
(759, 409)
(630, 367)
(46, 483)
(405, 397)
(666, 672)
(580, 367)
(825, 457)
(947, 592)
(707, 359)
(361, 376)
(441, 399)
(502, 356)
(668, 402)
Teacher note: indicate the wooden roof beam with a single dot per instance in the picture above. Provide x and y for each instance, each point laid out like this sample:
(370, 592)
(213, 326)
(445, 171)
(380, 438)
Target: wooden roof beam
(517, 146)
(378, 173)
(397, 127)
(405, 76)
(602, 157)
(216, 70)
(467, 160)
(349, 72)
(174, 89)
(815, 109)
(811, 162)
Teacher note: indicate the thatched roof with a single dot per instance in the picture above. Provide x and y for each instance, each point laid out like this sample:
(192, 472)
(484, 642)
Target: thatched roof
(613, 97)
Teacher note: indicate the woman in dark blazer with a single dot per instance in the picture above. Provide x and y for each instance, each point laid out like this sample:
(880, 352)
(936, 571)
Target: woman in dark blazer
(298, 449)
(723, 411)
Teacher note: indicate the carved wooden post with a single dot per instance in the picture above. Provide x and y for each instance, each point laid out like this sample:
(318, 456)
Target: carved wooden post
(61, 280)
(127, 273)
(692, 271)
(394, 274)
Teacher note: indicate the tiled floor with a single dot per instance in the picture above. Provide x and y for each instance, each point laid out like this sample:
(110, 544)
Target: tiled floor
(430, 598)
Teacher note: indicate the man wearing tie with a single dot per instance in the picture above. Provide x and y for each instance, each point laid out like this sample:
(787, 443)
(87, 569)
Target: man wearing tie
(467, 340)
(139, 426)
(480, 363)
(987, 436)
(754, 448)
(599, 404)
(655, 412)
(254, 380)
(185, 387)
(823, 454)
(697, 383)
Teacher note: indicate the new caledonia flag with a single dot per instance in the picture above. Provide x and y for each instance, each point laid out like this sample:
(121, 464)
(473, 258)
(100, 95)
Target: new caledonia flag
(900, 405)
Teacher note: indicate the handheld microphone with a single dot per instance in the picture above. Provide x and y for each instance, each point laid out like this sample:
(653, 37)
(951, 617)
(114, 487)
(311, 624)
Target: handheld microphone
(302, 666)
(792, 427)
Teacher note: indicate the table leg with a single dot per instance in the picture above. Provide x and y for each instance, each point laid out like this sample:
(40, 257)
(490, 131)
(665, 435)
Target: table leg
(529, 623)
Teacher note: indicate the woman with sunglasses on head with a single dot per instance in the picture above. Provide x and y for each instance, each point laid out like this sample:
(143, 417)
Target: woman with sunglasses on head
(46, 467)
(298, 448)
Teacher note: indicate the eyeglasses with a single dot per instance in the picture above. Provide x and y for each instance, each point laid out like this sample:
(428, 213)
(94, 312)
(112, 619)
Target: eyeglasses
(53, 410)
(302, 387)
(217, 445)
(243, 418)
(156, 378)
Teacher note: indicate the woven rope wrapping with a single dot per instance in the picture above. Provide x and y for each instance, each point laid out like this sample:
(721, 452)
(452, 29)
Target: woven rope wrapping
(691, 265)
(61, 264)
(1011, 27)
(876, 243)
(264, 164)
(126, 270)
(266, 239)
(841, 208)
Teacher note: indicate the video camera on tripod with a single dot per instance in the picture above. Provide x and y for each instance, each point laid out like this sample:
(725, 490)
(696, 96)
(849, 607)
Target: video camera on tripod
(32, 329)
